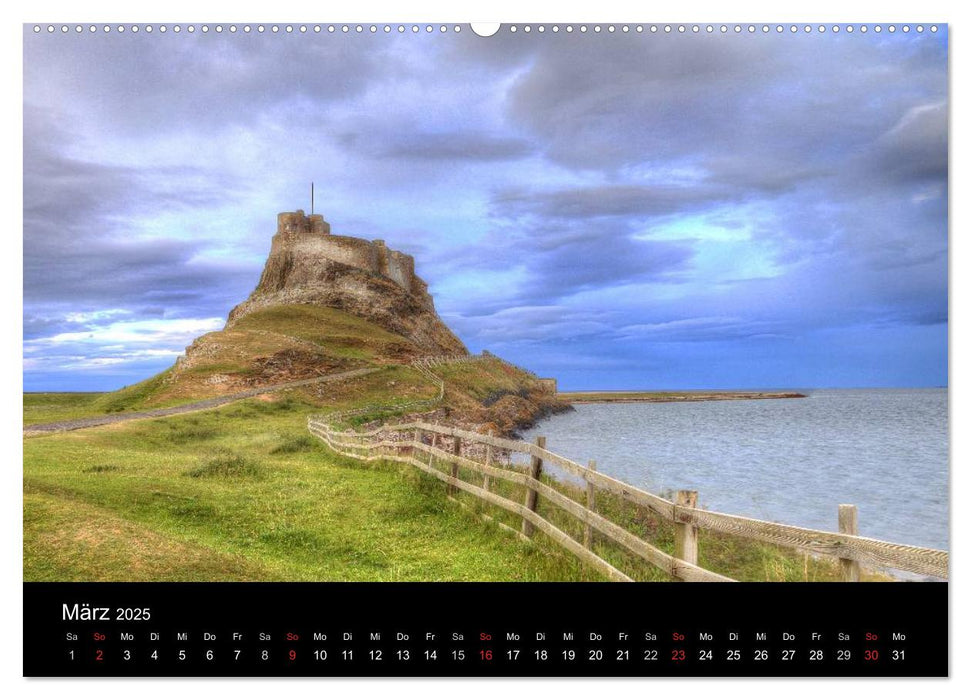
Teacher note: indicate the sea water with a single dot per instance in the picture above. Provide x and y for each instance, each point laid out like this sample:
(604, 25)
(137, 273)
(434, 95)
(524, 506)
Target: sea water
(784, 460)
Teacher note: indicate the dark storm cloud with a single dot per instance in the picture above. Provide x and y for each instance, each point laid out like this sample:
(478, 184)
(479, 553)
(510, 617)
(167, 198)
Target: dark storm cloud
(611, 200)
(80, 245)
(456, 145)
(165, 82)
(604, 102)
(603, 193)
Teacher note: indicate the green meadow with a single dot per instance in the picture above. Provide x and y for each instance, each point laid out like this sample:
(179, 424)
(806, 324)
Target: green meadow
(243, 493)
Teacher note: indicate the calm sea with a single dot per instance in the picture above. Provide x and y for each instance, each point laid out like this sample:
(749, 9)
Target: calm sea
(785, 460)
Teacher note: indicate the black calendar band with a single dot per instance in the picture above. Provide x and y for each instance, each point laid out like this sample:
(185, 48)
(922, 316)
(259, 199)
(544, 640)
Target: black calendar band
(483, 630)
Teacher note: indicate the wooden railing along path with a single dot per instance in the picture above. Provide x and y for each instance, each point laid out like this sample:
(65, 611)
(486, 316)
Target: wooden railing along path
(446, 453)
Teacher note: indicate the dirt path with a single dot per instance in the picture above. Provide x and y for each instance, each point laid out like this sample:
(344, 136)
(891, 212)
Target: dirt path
(77, 423)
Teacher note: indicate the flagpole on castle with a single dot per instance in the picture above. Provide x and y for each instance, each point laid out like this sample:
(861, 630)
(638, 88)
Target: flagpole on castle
(311, 197)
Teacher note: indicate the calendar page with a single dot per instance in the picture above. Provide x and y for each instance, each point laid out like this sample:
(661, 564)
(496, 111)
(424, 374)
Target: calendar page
(489, 350)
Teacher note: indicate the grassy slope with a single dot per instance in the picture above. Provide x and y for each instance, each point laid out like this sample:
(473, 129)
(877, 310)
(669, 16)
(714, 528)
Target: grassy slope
(242, 493)
(44, 407)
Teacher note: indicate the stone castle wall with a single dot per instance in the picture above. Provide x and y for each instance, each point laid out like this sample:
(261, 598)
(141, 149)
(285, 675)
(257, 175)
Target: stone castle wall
(310, 235)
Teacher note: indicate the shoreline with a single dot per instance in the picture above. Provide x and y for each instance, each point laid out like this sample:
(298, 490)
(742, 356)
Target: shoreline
(672, 396)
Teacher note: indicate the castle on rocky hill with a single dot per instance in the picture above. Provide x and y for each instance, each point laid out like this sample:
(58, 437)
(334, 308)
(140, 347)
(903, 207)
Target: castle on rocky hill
(310, 265)
(310, 236)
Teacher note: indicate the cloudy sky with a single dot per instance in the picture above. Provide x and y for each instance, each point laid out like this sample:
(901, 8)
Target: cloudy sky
(616, 210)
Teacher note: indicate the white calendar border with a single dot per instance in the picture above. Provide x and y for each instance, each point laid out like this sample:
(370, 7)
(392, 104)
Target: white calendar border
(830, 11)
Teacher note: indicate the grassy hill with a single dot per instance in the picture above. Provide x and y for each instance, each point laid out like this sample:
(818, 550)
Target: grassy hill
(285, 343)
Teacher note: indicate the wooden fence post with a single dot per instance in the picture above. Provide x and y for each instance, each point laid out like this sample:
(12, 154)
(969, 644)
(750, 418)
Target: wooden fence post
(850, 568)
(454, 470)
(415, 450)
(685, 533)
(488, 461)
(535, 469)
(591, 502)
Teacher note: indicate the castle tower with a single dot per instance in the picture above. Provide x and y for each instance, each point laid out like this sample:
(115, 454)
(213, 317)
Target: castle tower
(290, 223)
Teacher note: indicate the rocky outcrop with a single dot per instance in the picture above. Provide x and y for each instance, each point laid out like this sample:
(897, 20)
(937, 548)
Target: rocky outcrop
(308, 265)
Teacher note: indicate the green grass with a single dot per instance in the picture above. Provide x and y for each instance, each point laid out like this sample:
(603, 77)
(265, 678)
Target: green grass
(341, 333)
(127, 502)
(132, 397)
(243, 493)
(46, 407)
(738, 558)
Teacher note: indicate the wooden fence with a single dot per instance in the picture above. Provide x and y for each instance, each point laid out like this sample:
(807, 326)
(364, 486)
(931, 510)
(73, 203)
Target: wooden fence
(446, 453)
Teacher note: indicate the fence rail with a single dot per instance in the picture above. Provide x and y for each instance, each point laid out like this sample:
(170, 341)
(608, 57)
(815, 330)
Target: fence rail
(480, 454)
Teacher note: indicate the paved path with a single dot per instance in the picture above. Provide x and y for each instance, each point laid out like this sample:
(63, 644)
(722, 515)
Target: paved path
(77, 423)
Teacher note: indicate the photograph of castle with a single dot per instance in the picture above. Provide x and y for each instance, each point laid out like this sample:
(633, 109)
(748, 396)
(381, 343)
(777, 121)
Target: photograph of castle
(564, 303)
